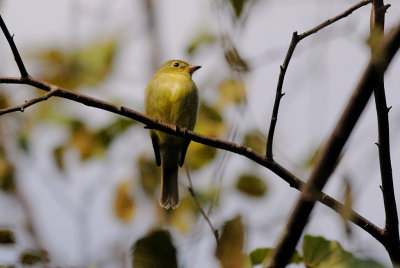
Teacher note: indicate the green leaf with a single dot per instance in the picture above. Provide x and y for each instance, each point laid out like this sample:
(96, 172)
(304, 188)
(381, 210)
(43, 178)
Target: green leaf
(201, 39)
(85, 67)
(260, 255)
(251, 185)
(6, 237)
(321, 253)
(154, 250)
(230, 248)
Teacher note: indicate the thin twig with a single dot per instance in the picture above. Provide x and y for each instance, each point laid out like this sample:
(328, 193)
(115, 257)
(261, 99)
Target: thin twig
(14, 49)
(391, 230)
(296, 38)
(193, 194)
(31, 102)
(328, 158)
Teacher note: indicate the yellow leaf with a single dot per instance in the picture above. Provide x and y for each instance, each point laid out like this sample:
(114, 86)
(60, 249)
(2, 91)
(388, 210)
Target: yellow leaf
(123, 202)
(230, 248)
(231, 91)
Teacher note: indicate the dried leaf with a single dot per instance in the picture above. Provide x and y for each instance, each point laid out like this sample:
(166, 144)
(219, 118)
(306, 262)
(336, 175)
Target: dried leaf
(123, 202)
(6, 237)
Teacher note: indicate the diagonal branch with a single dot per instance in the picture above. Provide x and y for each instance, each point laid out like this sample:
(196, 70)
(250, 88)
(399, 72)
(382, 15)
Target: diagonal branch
(14, 49)
(296, 38)
(291, 179)
(329, 155)
(196, 200)
(391, 230)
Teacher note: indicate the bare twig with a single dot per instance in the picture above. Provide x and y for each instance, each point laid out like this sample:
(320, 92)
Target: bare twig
(391, 230)
(14, 49)
(291, 179)
(329, 155)
(31, 102)
(193, 194)
(296, 38)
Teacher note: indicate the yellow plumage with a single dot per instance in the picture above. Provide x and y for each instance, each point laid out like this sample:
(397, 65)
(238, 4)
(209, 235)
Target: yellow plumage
(171, 97)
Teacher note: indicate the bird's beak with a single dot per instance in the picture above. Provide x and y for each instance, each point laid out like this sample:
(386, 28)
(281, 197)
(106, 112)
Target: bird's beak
(192, 69)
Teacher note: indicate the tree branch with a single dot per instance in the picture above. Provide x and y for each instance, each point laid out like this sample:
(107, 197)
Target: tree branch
(391, 230)
(293, 43)
(329, 155)
(149, 122)
(31, 102)
(14, 49)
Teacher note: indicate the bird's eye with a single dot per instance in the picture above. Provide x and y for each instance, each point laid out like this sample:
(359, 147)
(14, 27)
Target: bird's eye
(176, 64)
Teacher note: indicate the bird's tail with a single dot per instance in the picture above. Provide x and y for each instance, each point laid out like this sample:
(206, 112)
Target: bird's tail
(169, 196)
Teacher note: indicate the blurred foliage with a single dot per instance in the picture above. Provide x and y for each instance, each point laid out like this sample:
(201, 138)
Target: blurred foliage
(318, 252)
(184, 218)
(255, 140)
(201, 39)
(261, 255)
(90, 142)
(237, 6)
(345, 213)
(88, 66)
(4, 102)
(31, 257)
(251, 185)
(7, 180)
(6, 237)
(229, 250)
(124, 205)
(321, 253)
(149, 174)
(235, 61)
(210, 123)
(154, 250)
(232, 91)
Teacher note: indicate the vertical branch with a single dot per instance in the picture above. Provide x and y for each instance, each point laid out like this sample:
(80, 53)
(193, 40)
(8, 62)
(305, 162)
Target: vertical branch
(391, 230)
(327, 161)
(279, 94)
(295, 40)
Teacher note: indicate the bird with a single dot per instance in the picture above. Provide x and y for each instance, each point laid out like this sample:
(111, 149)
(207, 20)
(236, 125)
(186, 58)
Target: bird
(171, 97)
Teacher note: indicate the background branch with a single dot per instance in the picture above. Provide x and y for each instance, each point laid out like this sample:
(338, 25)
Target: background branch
(329, 155)
(293, 43)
